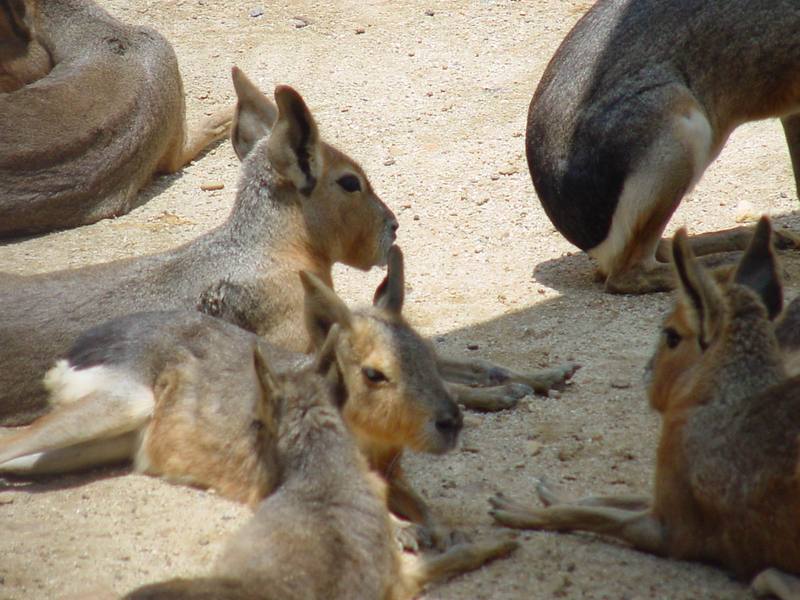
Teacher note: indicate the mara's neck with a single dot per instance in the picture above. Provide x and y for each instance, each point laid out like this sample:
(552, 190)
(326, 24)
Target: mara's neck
(268, 219)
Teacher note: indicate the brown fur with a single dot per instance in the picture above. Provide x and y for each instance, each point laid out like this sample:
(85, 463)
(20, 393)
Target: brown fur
(727, 483)
(23, 58)
(325, 533)
(78, 147)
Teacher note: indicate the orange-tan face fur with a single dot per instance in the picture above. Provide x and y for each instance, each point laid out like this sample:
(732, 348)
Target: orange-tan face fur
(346, 216)
(677, 355)
(395, 393)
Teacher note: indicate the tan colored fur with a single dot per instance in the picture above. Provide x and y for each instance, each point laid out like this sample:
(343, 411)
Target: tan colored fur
(727, 482)
(117, 105)
(325, 533)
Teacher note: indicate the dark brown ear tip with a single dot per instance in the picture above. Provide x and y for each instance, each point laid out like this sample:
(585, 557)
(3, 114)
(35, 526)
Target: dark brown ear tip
(395, 257)
(763, 228)
(286, 93)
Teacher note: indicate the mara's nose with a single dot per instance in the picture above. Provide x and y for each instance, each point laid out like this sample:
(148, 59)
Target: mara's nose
(450, 423)
(393, 224)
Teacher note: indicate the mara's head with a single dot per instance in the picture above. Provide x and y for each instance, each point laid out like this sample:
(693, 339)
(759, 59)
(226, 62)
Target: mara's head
(346, 220)
(395, 396)
(298, 407)
(711, 320)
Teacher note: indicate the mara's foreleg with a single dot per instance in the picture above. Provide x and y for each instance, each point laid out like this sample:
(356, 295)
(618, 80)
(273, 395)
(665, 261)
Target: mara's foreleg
(460, 558)
(479, 373)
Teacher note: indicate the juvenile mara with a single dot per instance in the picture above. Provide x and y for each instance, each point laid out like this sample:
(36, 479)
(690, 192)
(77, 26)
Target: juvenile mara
(325, 533)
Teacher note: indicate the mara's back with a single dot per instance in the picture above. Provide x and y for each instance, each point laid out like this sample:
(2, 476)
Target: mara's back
(78, 144)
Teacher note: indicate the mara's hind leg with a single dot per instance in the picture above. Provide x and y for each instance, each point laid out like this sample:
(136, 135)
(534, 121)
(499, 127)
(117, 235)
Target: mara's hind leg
(489, 399)
(550, 497)
(79, 457)
(773, 582)
(728, 243)
(90, 405)
(636, 527)
(676, 159)
(791, 129)
(196, 139)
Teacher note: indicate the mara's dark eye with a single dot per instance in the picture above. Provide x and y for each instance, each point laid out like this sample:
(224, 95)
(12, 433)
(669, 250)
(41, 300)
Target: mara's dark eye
(672, 337)
(349, 183)
(374, 375)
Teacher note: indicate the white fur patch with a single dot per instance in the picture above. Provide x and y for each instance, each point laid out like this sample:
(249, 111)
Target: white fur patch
(67, 384)
(688, 135)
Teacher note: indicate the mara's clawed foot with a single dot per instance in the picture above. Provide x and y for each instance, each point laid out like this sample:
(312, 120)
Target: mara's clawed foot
(544, 380)
(415, 537)
(547, 495)
(511, 513)
(489, 399)
(783, 239)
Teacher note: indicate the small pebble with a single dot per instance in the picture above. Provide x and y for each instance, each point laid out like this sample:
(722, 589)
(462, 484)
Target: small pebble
(429, 12)
(299, 22)
(473, 346)
(360, 30)
(256, 12)
(212, 186)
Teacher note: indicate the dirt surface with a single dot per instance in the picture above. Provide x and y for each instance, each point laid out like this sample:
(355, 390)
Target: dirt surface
(431, 98)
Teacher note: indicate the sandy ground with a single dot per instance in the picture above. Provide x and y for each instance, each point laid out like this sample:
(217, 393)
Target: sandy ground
(431, 98)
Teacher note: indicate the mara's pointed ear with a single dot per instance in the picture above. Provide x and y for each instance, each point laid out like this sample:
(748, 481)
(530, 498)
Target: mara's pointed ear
(270, 389)
(392, 290)
(254, 117)
(326, 365)
(758, 269)
(326, 355)
(700, 292)
(294, 145)
(14, 14)
(323, 309)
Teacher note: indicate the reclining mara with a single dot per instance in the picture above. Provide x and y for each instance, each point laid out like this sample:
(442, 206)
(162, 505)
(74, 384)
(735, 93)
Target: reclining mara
(325, 533)
(636, 103)
(175, 393)
(727, 481)
(78, 142)
(301, 205)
